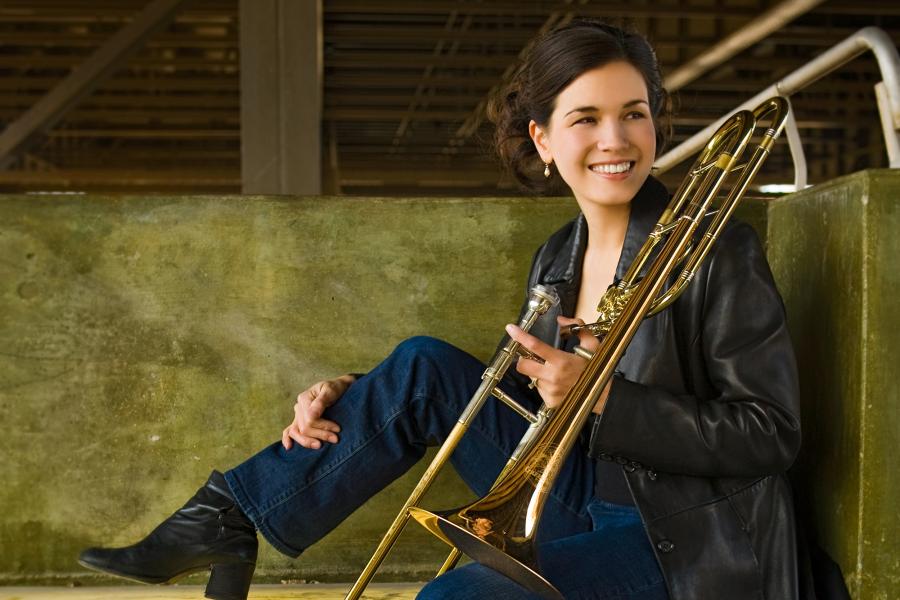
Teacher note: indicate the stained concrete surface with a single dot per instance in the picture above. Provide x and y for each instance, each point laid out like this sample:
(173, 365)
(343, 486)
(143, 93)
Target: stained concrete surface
(834, 250)
(145, 341)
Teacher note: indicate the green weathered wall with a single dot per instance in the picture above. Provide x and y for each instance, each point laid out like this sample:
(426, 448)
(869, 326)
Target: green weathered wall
(146, 341)
(835, 253)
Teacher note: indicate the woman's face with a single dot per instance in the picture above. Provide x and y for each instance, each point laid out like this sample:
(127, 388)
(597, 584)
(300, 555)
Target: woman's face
(601, 137)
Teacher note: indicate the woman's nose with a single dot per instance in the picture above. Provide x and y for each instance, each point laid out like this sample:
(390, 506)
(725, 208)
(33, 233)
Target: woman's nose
(611, 135)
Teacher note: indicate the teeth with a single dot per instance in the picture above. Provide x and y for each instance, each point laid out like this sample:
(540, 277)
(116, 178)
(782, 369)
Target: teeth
(619, 168)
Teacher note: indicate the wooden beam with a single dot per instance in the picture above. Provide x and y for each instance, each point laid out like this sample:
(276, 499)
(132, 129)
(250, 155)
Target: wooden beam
(281, 96)
(130, 83)
(84, 40)
(93, 179)
(736, 42)
(72, 60)
(149, 133)
(83, 80)
(136, 100)
(364, 115)
(514, 8)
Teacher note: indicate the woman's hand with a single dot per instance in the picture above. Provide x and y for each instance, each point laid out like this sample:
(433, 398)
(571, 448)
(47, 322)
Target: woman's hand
(309, 429)
(560, 369)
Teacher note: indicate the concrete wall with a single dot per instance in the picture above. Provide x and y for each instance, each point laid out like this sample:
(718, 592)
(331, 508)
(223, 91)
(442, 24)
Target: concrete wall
(834, 250)
(148, 340)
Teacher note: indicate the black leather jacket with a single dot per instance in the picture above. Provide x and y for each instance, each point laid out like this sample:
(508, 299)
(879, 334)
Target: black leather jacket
(703, 413)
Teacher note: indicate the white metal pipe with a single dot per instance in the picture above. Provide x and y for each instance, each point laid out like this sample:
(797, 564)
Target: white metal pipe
(797, 154)
(868, 38)
(891, 131)
(760, 27)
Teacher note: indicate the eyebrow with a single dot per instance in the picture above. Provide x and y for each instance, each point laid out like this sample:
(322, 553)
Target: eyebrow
(588, 109)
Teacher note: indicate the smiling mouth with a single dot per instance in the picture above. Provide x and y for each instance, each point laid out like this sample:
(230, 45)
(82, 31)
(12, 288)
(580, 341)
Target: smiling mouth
(612, 168)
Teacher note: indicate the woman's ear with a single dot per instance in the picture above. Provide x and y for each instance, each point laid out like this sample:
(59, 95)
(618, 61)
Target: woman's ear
(541, 141)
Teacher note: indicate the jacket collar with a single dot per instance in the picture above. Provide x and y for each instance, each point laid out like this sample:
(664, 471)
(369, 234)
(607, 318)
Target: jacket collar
(646, 207)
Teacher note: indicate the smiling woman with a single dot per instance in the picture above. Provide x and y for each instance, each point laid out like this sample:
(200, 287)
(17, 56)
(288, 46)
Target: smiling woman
(600, 136)
(564, 56)
(677, 489)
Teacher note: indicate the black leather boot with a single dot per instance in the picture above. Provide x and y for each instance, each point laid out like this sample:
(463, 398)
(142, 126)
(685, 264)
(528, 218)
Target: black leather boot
(209, 532)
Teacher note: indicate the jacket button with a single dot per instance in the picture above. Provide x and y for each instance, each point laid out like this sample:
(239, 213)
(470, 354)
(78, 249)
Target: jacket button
(652, 475)
(605, 456)
(629, 467)
(621, 460)
(665, 546)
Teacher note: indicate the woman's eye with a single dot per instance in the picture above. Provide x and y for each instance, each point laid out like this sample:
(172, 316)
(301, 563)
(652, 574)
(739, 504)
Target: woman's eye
(585, 120)
(635, 115)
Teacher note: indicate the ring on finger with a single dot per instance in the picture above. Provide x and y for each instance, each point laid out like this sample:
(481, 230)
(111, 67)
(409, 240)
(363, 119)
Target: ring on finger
(532, 385)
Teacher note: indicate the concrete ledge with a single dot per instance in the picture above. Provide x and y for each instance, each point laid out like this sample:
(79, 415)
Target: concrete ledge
(834, 250)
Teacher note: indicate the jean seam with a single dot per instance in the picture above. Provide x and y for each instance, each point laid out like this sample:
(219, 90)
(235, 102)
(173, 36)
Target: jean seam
(246, 505)
(619, 510)
(277, 542)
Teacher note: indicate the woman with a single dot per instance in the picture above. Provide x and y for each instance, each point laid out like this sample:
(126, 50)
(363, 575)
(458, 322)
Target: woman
(679, 489)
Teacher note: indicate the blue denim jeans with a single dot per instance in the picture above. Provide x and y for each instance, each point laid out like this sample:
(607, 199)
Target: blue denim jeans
(388, 418)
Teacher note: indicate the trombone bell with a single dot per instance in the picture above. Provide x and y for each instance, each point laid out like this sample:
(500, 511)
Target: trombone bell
(515, 557)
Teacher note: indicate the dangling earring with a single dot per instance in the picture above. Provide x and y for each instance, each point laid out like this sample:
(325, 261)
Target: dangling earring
(547, 170)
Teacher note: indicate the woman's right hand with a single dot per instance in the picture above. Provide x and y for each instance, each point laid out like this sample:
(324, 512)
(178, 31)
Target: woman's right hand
(309, 429)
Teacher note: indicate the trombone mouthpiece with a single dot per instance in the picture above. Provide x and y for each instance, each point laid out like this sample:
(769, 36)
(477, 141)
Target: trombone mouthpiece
(541, 298)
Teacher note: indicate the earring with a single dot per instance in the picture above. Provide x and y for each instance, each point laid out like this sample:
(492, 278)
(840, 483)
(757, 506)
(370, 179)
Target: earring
(547, 170)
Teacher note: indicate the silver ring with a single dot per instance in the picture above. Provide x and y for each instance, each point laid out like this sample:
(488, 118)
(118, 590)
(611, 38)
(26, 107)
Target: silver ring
(533, 384)
(583, 352)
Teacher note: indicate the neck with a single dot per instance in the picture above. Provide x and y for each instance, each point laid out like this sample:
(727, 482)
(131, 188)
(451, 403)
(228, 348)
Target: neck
(607, 226)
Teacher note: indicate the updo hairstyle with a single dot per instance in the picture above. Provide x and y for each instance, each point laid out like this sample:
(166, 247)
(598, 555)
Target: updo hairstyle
(554, 61)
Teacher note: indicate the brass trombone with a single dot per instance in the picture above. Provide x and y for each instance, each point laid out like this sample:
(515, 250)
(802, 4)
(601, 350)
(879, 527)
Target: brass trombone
(498, 529)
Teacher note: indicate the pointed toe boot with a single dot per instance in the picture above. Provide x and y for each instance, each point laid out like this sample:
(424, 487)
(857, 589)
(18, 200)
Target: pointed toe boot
(208, 533)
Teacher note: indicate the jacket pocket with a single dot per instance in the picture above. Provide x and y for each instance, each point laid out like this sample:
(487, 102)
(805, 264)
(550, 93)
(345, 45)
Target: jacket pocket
(705, 553)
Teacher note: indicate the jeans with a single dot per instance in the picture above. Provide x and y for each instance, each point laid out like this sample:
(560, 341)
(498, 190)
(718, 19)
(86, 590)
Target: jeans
(388, 417)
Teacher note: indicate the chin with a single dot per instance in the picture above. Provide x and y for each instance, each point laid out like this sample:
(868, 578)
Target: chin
(616, 196)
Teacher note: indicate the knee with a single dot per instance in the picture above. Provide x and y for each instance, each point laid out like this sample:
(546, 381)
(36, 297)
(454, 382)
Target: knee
(425, 349)
(435, 370)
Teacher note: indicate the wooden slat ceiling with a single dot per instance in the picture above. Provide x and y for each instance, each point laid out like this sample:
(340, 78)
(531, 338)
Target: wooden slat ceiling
(405, 83)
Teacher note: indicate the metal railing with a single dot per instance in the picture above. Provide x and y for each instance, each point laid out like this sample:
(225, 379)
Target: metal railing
(887, 94)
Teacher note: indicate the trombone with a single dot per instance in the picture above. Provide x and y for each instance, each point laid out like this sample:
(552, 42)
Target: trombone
(498, 530)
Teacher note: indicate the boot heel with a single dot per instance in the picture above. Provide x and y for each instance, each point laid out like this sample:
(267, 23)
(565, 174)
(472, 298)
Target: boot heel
(230, 581)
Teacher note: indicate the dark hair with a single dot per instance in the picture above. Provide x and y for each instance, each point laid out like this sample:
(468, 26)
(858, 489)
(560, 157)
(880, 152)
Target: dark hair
(554, 61)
